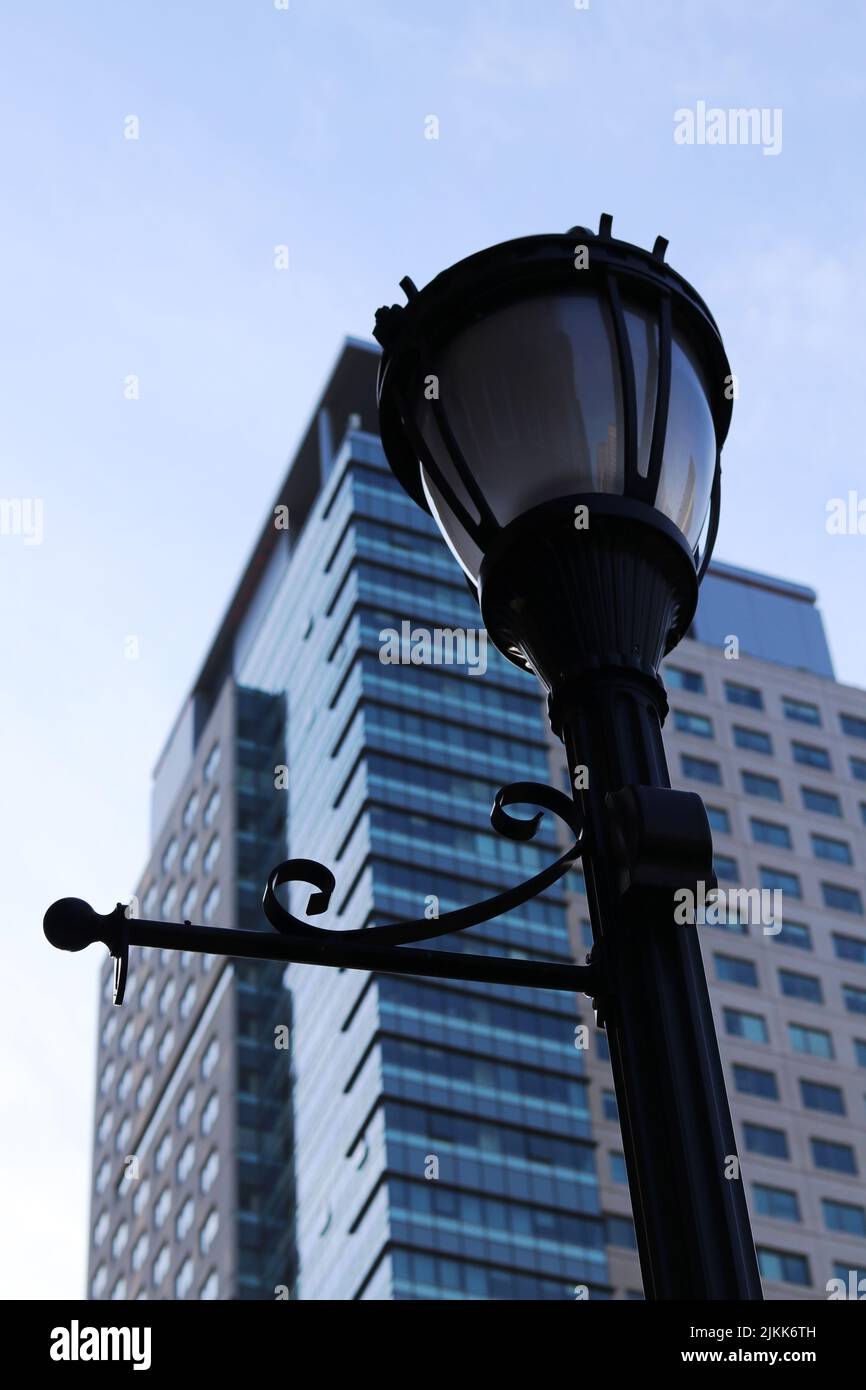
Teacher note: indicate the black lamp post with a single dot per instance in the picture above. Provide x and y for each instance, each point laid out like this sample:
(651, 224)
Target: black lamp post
(558, 403)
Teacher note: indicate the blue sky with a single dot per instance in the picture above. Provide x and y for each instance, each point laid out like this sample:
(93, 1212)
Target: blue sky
(154, 257)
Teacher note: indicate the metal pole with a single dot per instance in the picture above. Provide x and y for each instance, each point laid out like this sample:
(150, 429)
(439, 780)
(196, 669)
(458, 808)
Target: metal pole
(691, 1219)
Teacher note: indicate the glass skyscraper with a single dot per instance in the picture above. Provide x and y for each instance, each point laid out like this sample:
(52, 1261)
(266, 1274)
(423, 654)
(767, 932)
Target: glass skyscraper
(325, 1134)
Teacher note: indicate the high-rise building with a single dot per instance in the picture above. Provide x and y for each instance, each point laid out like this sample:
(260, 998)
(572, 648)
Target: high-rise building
(263, 1131)
(777, 750)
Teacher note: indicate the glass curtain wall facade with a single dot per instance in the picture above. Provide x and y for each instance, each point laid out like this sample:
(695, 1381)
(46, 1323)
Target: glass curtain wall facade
(443, 1143)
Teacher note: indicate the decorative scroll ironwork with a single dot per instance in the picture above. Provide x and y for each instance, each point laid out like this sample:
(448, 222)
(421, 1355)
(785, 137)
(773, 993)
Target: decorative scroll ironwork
(71, 924)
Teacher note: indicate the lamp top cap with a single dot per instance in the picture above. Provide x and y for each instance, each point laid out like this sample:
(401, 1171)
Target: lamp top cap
(530, 264)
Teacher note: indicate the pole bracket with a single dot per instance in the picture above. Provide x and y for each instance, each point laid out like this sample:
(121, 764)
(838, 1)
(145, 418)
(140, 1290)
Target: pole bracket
(662, 841)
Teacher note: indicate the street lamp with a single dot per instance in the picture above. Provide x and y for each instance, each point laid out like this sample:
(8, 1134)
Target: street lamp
(559, 404)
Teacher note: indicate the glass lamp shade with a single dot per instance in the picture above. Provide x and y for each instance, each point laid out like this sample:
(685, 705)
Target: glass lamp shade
(532, 394)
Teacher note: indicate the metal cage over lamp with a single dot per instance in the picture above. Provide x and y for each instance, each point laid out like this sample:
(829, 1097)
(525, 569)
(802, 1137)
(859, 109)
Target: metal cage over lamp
(545, 396)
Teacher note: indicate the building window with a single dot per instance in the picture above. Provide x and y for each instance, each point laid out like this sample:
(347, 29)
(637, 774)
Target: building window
(189, 854)
(823, 847)
(124, 1134)
(795, 934)
(835, 1158)
(162, 1208)
(166, 1043)
(608, 1106)
(850, 1220)
(169, 898)
(145, 1090)
(750, 1027)
(754, 739)
(121, 1235)
(815, 1042)
(617, 1168)
(190, 809)
(810, 756)
(842, 899)
(733, 970)
(208, 1233)
(753, 1081)
(725, 867)
(854, 998)
(783, 1267)
(754, 784)
(761, 1139)
(147, 991)
(825, 803)
(210, 1057)
(719, 820)
(701, 770)
(139, 1251)
(853, 725)
(188, 902)
(104, 1128)
(103, 1173)
(142, 1196)
(107, 1077)
(211, 903)
(166, 997)
(210, 1171)
(676, 678)
(767, 832)
(185, 1161)
(696, 724)
(124, 1085)
(210, 1287)
(211, 763)
(163, 1151)
(817, 1095)
(801, 711)
(211, 854)
(210, 1113)
(169, 855)
(160, 1266)
(776, 1202)
(186, 1105)
(212, 807)
(184, 1218)
(860, 1052)
(858, 769)
(126, 1036)
(100, 1279)
(145, 1042)
(797, 986)
(150, 898)
(777, 878)
(187, 999)
(619, 1231)
(118, 1293)
(745, 695)
(100, 1230)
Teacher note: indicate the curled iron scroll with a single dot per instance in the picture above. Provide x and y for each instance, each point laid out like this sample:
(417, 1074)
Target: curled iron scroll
(423, 929)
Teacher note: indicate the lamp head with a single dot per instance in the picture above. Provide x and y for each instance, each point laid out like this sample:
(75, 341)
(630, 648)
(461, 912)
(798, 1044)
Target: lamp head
(552, 398)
